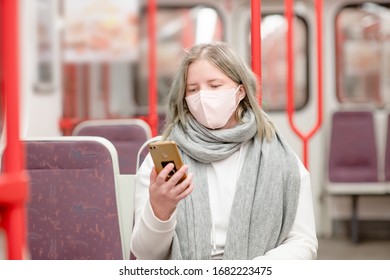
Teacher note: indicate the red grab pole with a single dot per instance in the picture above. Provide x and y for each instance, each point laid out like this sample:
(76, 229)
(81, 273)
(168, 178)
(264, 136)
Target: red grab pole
(13, 182)
(153, 119)
(256, 41)
(319, 13)
(289, 4)
(106, 89)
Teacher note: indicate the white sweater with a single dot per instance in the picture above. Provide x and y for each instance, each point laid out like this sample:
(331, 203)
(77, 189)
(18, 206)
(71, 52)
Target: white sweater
(152, 238)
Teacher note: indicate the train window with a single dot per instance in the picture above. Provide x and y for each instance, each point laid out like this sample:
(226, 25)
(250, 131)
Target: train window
(274, 62)
(45, 32)
(99, 50)
(177, 28)
(363, 53)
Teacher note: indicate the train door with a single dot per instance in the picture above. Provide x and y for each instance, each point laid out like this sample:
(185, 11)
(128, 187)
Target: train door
(274, 77)
(356, 79)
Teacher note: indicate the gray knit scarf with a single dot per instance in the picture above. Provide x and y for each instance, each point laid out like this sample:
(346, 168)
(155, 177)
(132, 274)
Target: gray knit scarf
(266, 197)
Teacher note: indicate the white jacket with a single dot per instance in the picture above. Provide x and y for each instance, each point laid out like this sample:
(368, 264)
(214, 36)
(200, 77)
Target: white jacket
(152, 238)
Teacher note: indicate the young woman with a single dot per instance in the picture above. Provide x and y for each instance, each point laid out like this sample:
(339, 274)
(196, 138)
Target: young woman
(246, 196)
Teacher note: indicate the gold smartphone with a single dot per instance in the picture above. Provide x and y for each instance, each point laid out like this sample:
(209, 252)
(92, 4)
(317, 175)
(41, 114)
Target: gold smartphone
(164, 152)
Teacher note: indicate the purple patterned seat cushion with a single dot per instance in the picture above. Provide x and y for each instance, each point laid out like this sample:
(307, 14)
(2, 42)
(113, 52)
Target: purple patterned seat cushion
(72, 212)
(353, 154)
(126, 138)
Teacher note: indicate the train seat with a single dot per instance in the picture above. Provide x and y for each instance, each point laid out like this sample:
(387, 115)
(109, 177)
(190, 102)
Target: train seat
(127, 136)
(353, 151)
(353, 161)
(76, 206)
(143, 150)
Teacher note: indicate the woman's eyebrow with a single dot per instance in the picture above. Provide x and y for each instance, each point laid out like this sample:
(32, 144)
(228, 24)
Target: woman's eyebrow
(218, 80)
(208, 81)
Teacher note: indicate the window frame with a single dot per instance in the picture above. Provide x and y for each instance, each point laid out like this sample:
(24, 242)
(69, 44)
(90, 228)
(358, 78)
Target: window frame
(339, 87)
(143, 108)
(307, 64)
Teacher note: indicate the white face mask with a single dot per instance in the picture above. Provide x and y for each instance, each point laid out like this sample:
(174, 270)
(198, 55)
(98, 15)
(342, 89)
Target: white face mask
(213, 108)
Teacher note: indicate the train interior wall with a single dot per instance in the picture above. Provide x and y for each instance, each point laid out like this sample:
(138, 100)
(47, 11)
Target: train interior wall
(46, 108)
(42, 110)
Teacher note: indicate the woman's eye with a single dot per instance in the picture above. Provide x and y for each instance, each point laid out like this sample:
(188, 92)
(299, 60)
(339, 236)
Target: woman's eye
(215, 86)
(191, 90)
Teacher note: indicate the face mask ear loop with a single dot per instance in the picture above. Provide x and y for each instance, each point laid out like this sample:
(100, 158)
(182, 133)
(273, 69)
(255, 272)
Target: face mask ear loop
(240, 98)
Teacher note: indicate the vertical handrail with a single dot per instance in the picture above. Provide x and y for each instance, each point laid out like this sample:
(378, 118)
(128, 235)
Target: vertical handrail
(69, 115)
(86, 90)
(289, 4)
(256, 41)
(105, 74)
(187, 39)
(13, 182)
(153, 119)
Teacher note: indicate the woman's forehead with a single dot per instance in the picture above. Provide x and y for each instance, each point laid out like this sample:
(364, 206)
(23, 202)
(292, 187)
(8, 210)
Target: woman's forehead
(204, 70)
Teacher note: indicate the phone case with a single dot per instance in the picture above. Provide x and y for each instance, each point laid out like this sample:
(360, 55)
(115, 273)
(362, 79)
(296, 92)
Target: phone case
(164, 152)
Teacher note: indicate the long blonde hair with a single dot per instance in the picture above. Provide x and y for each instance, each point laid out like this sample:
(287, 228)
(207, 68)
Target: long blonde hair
(222, 56)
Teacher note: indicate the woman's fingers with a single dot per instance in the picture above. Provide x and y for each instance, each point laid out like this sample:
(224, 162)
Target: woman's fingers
(175, 178)
(171, 188)
(164, 195)
(161, 178)
(169, 175)
(179, 188)
(186, 191)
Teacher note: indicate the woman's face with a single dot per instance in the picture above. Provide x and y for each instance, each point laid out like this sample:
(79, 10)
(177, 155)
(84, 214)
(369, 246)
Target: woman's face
(202, 75)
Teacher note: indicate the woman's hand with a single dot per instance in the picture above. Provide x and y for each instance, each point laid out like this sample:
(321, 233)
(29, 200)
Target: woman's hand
(165, 195)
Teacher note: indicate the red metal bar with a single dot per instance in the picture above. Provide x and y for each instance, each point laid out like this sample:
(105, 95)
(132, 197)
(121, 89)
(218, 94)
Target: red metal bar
(86, 90)
(289, 4)
(320, 66)
(188, 30)
(153, 118)
(70, 93)
(290, 64)
(67, 125)
(70, 90)
(218, 30)
(75, 72)
(106, 89)
(11, 86)
(256, 41)
(13, 183)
